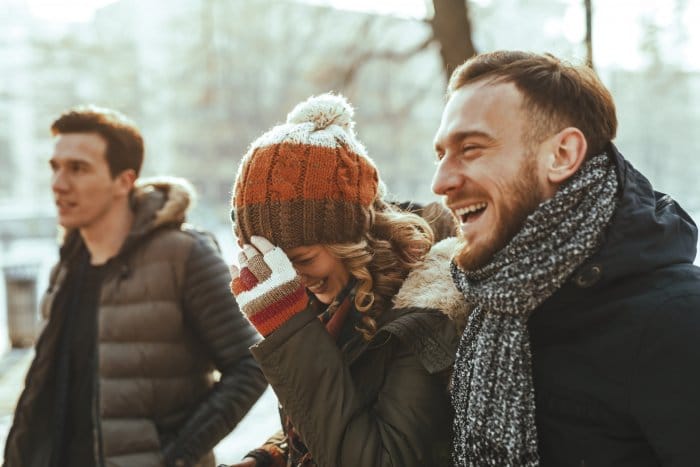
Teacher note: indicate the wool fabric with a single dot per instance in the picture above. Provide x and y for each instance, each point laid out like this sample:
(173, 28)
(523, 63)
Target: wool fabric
(493, 393)
(308, 181)
(269, 291)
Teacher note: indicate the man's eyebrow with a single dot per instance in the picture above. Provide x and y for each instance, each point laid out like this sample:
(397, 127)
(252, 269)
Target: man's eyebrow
(462, 135)
(70, 158)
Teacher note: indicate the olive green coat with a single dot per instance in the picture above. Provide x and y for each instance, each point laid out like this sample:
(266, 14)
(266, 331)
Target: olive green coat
(378, 403)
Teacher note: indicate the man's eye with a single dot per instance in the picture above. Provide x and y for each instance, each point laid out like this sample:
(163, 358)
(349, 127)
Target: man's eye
(303, 262)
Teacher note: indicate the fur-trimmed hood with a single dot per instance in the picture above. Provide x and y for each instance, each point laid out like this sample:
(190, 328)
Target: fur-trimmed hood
(161, 200)
(430, 286)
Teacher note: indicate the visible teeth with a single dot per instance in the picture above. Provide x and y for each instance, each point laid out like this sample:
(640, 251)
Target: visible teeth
(316, 285)
(469, 209)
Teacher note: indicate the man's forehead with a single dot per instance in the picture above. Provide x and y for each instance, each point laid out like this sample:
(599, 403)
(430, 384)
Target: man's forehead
(479, 107)
(484, 96)
(79, 145)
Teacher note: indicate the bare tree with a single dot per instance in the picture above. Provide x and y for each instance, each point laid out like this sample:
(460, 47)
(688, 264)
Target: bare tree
(452, 30)
(589, 32)
(372, 54)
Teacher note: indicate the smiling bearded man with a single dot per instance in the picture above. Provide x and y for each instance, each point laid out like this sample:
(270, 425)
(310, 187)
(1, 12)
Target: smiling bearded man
(580, 345)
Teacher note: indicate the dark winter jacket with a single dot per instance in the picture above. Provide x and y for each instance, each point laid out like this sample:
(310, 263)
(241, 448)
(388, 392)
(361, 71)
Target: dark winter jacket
(616, 350)
(166, 320)
(378, 403)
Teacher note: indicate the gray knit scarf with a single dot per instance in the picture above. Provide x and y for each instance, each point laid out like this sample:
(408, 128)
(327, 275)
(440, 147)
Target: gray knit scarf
(493, 393)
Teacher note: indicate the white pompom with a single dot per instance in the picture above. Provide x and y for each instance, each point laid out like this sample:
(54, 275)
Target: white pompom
(323, 111)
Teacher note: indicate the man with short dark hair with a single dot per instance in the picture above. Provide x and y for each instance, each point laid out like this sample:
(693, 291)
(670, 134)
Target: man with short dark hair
(139, 316)
(580, 347)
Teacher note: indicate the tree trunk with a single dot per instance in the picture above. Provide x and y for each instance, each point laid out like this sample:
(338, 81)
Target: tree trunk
(589, 32)
(452, 29)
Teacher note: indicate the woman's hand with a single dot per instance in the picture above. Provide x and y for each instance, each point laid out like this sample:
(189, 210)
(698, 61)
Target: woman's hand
(266, 286)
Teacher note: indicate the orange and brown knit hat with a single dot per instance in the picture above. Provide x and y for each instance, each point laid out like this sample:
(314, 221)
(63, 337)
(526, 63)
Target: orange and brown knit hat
(308, 181)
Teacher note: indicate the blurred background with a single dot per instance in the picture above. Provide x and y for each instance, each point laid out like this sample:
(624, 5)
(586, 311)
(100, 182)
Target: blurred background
(203, 78)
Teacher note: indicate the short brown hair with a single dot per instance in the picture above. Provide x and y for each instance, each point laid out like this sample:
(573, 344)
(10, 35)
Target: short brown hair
(123, 138)
(556, 94)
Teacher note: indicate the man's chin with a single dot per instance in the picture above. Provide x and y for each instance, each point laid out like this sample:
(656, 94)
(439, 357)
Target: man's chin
(67, 224)
(463, 253)
(468, 258)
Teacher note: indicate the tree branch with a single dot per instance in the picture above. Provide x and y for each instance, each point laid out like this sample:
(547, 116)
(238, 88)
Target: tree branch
(390, 55)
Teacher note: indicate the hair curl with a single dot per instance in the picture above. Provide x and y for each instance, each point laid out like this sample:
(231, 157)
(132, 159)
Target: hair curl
(396, 242)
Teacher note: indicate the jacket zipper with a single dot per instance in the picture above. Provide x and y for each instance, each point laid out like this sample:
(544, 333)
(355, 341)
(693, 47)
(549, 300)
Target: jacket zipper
(96, 421)
(96, 418)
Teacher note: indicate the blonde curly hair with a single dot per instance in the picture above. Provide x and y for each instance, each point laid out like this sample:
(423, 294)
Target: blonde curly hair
(396, 242)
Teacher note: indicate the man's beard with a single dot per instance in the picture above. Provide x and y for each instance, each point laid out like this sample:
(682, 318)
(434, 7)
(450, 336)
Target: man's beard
(524, 196)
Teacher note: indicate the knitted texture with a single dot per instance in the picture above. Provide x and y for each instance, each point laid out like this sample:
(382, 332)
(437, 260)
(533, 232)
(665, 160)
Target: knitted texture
(308, 181)
(268, 291)
(493, 393)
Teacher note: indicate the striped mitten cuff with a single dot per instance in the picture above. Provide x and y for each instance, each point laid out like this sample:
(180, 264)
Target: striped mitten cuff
(268, 290)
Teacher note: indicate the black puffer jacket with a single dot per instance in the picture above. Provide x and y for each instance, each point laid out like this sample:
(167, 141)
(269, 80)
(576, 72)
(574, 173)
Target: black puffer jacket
(616, 354)
(166, 320)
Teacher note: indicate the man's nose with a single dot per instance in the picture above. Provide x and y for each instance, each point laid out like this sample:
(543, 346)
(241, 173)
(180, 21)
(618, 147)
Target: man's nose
(448, 176)
(59, 183)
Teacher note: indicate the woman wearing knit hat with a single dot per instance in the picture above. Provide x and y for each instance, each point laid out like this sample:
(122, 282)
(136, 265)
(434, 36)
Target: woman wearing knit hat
(361, 381)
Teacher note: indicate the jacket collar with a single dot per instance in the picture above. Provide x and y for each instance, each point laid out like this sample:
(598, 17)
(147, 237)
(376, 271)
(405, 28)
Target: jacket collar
(430, 285)
(427, 291)
(156, 202)
(648, 230)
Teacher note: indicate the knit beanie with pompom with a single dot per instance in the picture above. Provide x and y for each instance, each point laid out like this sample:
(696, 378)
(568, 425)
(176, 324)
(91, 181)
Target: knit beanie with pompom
(308, 181)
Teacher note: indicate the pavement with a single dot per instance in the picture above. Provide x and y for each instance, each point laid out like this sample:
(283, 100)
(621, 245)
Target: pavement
(261, 422)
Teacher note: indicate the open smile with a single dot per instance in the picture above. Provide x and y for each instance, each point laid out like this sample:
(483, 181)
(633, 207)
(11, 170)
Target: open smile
(470, 213)
(317, 287)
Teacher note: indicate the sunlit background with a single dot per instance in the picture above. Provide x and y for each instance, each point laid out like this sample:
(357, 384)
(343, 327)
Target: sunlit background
(203, 78)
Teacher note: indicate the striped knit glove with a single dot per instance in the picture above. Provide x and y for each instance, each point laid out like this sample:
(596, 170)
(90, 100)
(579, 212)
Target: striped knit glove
(266, 286)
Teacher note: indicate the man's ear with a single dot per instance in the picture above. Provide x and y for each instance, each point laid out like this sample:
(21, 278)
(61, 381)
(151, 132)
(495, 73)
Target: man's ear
(569, 152)
(125, 181)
